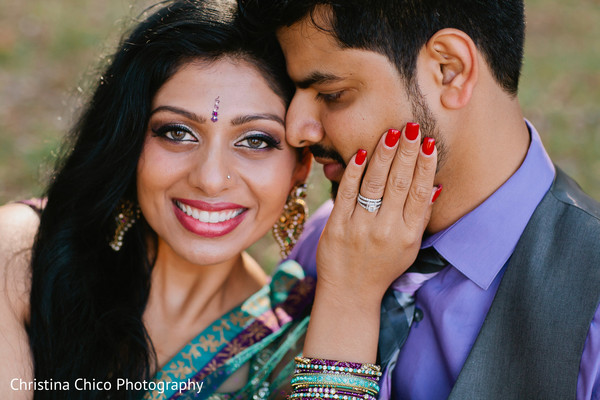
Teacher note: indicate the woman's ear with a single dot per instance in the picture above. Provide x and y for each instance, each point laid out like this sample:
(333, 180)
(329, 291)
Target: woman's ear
(455, 56)
(302, 169)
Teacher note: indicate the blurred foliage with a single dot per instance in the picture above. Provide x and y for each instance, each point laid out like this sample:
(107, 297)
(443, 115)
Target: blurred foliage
(50, 52)
(560, 86)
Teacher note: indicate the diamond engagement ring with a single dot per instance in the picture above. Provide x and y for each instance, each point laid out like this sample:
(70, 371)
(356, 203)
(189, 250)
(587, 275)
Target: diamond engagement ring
(371, 205)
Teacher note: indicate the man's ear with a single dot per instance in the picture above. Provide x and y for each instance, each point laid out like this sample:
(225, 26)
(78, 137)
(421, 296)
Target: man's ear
(302, 170)
(455, 56)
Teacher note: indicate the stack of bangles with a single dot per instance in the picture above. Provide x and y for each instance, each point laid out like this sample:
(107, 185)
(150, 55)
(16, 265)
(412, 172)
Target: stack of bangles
(328, 379)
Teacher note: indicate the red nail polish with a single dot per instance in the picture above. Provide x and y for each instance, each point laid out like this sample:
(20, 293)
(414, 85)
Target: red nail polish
(437, 193)
(428, 146)
(411, 131)
(392, 137)
(361, 156)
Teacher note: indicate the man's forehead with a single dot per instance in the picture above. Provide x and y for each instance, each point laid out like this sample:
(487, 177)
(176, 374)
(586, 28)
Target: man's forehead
(307, 34)
(323, 61)
(308, 51)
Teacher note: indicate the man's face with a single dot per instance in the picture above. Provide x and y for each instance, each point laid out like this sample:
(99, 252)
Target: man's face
(345, 98)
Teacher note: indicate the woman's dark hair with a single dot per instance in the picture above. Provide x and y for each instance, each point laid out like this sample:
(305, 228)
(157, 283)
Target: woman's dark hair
(87, 301)
(400, 28)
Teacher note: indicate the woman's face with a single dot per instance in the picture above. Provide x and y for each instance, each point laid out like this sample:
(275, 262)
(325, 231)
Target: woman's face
(210, 189)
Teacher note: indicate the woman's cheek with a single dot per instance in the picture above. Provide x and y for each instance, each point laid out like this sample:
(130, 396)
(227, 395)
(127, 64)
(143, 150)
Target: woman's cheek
(271, 180)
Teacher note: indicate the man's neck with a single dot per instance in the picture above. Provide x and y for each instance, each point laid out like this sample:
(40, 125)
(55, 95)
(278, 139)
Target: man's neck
(482, 156)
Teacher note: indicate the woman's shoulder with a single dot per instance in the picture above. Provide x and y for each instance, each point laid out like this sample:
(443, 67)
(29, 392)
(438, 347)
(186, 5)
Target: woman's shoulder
(18, 227)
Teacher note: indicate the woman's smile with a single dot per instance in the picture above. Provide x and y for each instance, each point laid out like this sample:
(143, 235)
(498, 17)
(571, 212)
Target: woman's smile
(207, 220)
(208, 216)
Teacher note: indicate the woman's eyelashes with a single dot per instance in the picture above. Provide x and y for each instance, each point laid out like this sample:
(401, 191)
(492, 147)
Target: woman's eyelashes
(253, 140)
(259, 141)
(175, 133)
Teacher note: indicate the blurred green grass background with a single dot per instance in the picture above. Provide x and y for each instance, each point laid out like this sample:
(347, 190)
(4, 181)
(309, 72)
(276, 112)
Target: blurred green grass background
(50, 51)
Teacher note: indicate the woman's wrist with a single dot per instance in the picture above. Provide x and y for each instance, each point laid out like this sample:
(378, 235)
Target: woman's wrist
(343, 327)
(356, 293)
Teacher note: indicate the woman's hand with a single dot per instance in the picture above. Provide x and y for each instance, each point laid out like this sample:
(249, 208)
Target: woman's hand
(361, 253)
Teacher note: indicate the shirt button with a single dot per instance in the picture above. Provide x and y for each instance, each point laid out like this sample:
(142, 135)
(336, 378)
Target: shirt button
(418, 317)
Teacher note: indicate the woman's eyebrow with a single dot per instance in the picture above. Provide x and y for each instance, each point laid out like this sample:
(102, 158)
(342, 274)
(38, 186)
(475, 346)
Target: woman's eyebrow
(180, 111)
(244, 119)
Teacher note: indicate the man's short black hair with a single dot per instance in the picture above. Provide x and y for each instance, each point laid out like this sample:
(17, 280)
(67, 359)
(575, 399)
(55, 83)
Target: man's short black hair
(400, 28)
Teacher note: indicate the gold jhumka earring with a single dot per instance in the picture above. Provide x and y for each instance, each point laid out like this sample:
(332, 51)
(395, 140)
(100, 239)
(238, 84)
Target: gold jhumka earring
(290, 224)
(127, 214)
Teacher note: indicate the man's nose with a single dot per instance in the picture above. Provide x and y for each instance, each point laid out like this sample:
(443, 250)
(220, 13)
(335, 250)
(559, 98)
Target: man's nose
(303, 125)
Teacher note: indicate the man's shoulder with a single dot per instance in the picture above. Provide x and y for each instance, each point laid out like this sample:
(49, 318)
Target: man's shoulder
(567, 192)
(565, 227)
(575, 215)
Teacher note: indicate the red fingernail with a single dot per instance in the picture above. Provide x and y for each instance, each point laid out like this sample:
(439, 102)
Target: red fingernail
(361, 156)
(392, 137)
(428, 146)
(412, 131)
(436, 194)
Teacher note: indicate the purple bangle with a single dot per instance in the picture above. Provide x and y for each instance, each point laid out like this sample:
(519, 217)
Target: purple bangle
(340, 366)
(325, 393)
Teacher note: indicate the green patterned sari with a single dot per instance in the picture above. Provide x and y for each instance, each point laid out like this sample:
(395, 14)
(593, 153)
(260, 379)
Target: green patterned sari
(262, 336)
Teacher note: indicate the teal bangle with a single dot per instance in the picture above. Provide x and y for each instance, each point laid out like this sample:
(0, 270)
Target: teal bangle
(336, 380)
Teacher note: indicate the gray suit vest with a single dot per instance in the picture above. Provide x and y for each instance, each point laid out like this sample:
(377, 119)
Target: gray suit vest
(531, 341)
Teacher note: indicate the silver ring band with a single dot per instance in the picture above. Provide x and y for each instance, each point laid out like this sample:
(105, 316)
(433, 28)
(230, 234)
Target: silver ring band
(371, 205)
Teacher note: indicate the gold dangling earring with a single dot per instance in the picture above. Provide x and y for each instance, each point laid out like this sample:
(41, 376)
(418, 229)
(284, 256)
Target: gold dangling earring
(126, 215)
(290, 224)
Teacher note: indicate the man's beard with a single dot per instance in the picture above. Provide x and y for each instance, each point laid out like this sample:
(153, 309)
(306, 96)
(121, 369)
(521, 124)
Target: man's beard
(327, 152)
(422, 115)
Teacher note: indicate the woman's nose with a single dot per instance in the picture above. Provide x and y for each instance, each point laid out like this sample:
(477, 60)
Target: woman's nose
(211, 173)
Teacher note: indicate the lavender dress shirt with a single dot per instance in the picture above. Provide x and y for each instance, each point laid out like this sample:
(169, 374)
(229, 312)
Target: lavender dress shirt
(456, 301)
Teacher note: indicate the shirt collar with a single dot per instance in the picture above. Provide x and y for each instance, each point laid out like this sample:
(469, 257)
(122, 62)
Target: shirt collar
(480, 243)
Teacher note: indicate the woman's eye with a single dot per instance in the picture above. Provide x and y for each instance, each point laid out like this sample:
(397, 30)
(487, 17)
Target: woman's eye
(253, 143)
(258, 142)
(179, 135)
(176, 133)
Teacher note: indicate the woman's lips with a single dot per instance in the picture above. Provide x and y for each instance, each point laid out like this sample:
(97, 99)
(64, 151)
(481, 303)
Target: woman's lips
(207, 219)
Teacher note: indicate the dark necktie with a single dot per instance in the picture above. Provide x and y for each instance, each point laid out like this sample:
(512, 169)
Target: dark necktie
(398, 306)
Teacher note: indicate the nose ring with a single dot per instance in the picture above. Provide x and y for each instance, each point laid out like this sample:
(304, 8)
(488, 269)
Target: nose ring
(228, 176)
